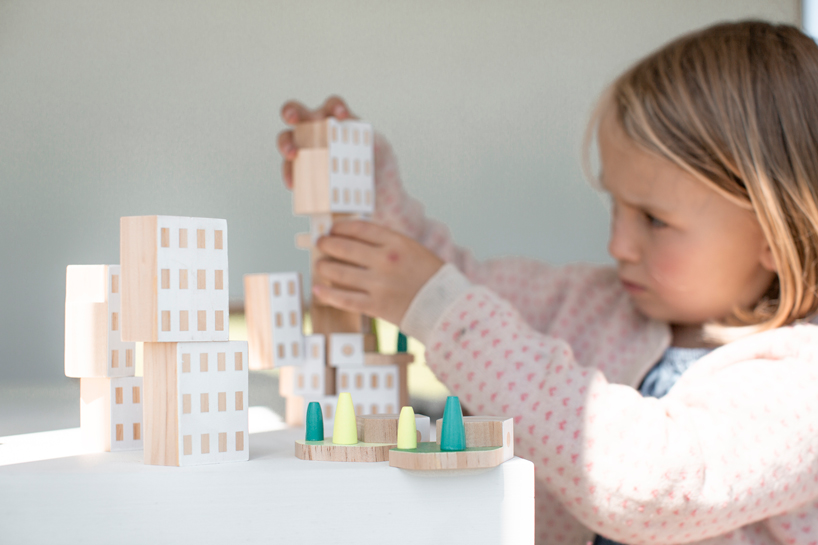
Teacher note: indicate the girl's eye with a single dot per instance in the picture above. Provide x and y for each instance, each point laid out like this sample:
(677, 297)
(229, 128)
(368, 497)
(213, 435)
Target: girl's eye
(654, 221)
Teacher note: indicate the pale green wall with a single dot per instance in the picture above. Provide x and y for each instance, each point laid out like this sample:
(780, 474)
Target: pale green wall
(115, 108)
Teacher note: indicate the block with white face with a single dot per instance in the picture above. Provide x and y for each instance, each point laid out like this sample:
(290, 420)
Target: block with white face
(174, 279)
(309, 380)
(287, 324)
(196, 406)
(346, 349)
(334, 169)
(374, 389)
(351, 180)
(93, 344)
(111, 413)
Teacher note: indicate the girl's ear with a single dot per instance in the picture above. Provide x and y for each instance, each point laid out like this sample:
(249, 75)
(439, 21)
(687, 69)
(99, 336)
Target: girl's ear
(767, 258)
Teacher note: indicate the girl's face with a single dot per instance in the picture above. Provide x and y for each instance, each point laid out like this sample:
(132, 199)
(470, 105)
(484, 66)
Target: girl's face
(686, 254)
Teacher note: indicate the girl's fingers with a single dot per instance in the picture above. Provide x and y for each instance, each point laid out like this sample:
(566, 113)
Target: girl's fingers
(365, 231)
(342, 275)
(353, 301)
(349, 250)
(287, 174)
(293, 113)
(335, 107)
(286, 145)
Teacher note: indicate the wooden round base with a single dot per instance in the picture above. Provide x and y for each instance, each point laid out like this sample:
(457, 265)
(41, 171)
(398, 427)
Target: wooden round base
(429, 456)
(326, 451)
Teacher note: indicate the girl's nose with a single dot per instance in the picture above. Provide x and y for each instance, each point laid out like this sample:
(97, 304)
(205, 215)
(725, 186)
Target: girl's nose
(623, 244)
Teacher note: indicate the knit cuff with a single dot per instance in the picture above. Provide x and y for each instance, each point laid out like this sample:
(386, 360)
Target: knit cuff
(430, 303)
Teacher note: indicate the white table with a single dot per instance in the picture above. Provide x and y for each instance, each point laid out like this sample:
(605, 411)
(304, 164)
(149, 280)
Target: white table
(274, 498)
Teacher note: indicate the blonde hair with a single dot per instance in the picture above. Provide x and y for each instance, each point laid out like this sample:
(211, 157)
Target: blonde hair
(736, 105)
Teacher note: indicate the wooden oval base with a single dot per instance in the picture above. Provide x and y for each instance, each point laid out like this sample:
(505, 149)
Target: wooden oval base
(326, 451)
(429, 456)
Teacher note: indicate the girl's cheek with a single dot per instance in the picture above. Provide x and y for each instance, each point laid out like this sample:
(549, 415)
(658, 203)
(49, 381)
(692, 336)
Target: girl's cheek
(670, 271)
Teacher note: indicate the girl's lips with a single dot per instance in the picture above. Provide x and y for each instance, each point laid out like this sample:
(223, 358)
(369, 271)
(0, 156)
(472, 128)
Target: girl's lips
(631, 288)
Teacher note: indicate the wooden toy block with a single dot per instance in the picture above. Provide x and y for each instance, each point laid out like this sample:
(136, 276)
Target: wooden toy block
(93, 318)
(326, 451)
(376, 389)
(273, 310)
(326, 319)
(346, 350)
(313, 378)
(428, 456)
(196, 403)
(333, 171)
(174, 279)
(111, 413)
(383, 428)
(487, 431)
(303, 241)
(401, 358)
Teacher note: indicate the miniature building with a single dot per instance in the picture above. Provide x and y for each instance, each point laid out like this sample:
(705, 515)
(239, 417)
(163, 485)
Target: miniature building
(346, 349)
(111, 413)
(333, 171)
(174, 279)
(93, 345)
(274, 319)
(374, 389)
(196, 399)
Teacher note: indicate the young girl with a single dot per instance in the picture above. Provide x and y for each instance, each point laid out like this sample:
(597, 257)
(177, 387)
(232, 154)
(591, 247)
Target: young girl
(672, 398)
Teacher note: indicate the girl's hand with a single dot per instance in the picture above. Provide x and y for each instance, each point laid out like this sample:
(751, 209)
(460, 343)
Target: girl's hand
(294, 113)
(372, 270)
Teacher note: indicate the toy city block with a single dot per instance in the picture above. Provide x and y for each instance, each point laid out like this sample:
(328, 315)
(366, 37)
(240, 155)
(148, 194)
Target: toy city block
(383, 428)
(93, 345)
(333, 171)
(174, 279)
(195, 403)
(111, 413)
(273, 310)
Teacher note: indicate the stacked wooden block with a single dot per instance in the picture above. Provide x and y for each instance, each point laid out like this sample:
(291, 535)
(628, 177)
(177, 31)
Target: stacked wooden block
(332, 181)
(110, 394)
(175, 300)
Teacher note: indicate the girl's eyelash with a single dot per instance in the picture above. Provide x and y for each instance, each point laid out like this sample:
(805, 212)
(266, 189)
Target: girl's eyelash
(654, 221)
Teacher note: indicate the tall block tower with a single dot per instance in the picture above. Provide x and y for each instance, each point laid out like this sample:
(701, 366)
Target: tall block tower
(175, 299)
(110, 394)
(333, 180)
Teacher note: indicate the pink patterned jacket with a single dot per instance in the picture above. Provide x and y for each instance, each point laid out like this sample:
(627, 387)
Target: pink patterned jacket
(728, 456)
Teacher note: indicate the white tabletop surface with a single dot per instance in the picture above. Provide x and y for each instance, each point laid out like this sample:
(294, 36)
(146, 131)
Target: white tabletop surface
(274, 498)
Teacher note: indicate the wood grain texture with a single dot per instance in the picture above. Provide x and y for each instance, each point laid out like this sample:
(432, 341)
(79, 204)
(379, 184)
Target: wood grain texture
(160, 413)
(428, 456)
(258, 314)
(311, 134)
(311, 193)
(139, 282)
(326, 451)
(401, 358)
(383, 428)
(486, 431)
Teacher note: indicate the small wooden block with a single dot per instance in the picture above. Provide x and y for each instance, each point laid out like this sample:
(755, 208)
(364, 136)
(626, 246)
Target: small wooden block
(326, 451)
(428, 456)
(383, 428)
(273, 310)
(401, 358)
(303, 241)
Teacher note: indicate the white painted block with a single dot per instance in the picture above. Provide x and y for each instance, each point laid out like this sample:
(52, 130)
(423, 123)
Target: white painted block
(346, 349)
(351, 176)
(212, 402)
(286, 318)
(93, 321)
(111, 413)
(374, 389)
(193, 279)
(309, 379)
